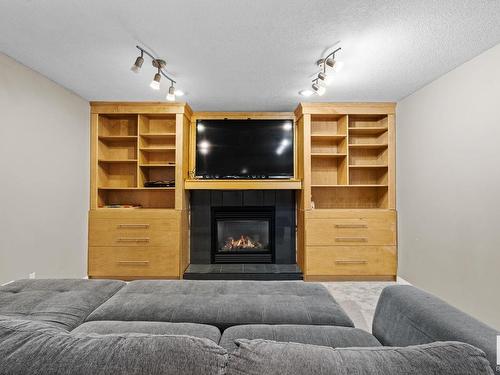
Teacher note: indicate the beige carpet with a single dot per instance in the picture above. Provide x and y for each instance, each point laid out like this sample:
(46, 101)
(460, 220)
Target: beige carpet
(358, 299)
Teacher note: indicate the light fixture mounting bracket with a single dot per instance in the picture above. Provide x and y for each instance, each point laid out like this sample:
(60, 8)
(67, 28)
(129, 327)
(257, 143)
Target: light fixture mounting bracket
(159, 63)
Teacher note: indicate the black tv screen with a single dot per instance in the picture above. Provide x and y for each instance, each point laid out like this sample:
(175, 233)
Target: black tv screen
(244, 149)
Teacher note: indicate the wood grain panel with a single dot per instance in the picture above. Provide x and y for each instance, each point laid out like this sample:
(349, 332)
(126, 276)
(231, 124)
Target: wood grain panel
(351, 260)
(370, 228)
(135, 262)
(132, 232)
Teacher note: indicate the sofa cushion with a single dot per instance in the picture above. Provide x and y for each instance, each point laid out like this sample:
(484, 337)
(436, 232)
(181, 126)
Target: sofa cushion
(63, 303)
(224, 303)
(335, 337)
(153, 328)
(261, 357)
(406, 315)
(28, 347)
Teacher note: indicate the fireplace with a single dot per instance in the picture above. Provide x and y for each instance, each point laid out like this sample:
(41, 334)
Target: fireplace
(243, 234)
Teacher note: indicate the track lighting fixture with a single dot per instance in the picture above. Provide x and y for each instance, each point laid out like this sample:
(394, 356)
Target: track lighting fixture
(171, 93)
(155, 83)
(138, 63)
(318, 88)
(160, 65)
(323, 78)
(330, 62)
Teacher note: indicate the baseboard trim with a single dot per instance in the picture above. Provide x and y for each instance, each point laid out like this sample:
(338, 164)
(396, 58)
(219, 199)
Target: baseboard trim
(402, 281)
(132, 278)
(349, 278)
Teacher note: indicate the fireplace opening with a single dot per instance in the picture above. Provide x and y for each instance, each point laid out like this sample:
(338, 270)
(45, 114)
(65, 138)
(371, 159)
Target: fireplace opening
(243, 234)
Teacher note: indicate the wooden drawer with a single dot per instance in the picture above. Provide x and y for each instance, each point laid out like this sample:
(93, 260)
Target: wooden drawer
(134, 261)
(351, 260)
(132, 232)
(358, 228)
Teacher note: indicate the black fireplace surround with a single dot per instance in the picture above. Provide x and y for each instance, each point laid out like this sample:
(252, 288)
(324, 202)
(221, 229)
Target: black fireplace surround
(242, 234)
(243, 227)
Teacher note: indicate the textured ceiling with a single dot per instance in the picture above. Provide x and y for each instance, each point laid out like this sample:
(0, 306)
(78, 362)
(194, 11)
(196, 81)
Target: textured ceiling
(247, 54)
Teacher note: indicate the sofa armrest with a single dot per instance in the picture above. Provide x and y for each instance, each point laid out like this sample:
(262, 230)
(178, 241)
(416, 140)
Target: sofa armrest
(407, 316)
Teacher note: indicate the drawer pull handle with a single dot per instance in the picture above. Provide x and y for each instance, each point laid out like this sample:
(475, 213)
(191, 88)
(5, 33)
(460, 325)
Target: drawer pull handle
(346, 261)
(145, 226)
(136, 262)
(133, 239)
(351, 226)
(351, 239)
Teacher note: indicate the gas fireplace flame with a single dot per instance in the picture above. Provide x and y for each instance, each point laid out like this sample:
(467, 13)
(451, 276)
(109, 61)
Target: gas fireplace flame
(244, 242)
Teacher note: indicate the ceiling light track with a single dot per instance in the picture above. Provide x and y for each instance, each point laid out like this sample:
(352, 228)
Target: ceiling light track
(324, 77)
(160, 65)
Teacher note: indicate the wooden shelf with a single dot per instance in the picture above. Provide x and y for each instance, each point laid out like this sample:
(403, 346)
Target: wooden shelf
(348, 186)
(328, 136)
(157, 165)
(368, 145)
(117, 138)
(368, 130)
(117, 161)
(327, 155)
(367, 166)
(157, 135)
(157, 149)
(136, 188)
(200, 184)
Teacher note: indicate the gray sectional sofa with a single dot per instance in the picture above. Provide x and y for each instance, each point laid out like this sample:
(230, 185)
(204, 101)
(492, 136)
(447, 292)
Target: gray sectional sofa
(230, 327)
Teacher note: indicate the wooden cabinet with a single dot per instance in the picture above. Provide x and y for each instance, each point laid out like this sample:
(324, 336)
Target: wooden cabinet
(133, 144)
(134, 262)
(350, 243)
(135, 243)
(351, 261)
(350, 227)
(346, 209)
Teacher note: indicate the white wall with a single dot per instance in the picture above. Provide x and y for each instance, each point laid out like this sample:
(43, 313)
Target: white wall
(44, 176)
(448, 176)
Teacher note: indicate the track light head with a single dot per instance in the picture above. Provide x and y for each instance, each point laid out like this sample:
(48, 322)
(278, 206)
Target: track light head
(322, 76)
(138, 64)
(330, 62)
(155, 83)
(320, 90)
(171, 93)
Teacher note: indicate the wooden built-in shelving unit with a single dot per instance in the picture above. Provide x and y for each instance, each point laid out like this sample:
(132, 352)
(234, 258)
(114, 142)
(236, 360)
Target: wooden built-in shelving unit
(131, 144)
(347, 165)
(344, 179)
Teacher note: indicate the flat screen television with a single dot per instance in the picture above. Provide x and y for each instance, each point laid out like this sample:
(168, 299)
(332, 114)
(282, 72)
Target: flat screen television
(246, 149)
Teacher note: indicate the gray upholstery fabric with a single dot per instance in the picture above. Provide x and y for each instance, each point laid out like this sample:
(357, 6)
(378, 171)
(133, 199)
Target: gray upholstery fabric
(153, 328)
(28, 347)
(261, 357)
(335, 337)
(406, 315)
(224, 303)
(62, 303)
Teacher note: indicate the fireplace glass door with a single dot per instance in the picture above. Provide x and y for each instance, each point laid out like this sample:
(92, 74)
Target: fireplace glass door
(243, 235)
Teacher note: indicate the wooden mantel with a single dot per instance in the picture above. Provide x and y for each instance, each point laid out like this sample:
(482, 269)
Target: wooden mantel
(200, 184)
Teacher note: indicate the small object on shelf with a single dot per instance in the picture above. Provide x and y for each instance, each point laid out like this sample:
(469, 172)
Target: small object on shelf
(312, 205)
(161, 183)
(122, 206)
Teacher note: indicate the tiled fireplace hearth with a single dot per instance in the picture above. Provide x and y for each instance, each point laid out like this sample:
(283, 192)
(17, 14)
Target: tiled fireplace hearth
(243, 235)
